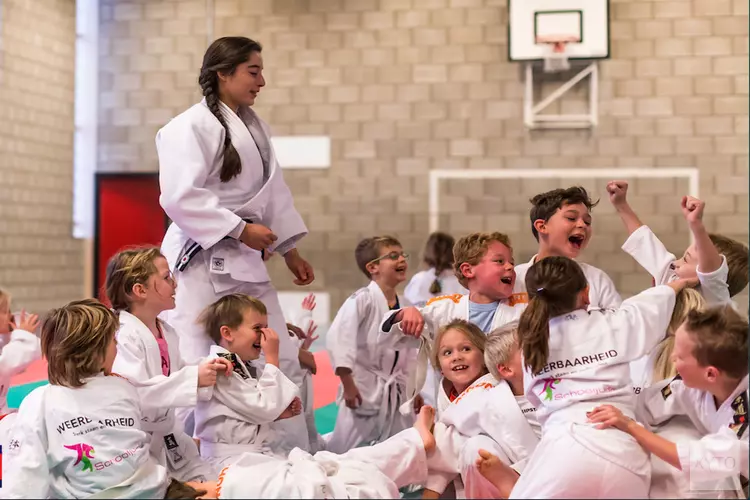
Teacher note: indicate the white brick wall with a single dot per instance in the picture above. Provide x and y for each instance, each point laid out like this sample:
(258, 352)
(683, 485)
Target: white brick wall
(404, 86)
(41, 265)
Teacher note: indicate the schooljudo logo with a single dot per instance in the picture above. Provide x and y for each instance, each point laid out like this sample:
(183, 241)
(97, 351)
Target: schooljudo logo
(548, 387)
(85, 454)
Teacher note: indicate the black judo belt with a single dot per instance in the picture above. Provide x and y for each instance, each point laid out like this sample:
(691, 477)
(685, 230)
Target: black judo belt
(193, 249)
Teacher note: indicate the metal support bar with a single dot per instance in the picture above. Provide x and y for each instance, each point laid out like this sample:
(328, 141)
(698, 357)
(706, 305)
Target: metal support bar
(532, 118)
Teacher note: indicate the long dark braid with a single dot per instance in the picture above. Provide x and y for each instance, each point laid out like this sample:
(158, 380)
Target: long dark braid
(223, 56)
(439, 254)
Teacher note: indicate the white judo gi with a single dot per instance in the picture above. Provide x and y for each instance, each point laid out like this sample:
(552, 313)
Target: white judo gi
(18, 350)
(437, 313)
(236, 419)
(139, 360)
(602, 291)
(205, 211)
(380, 372)
(81, 443)
(588, 365)
(417, 291)
(486, 415)
(376, 471)
(711, 465)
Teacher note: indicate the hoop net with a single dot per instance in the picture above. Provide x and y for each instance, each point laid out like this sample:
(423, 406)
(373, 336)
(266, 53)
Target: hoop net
(556, 60)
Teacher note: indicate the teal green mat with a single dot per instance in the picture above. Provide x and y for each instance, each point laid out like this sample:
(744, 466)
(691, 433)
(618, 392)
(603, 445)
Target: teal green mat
(17, 393)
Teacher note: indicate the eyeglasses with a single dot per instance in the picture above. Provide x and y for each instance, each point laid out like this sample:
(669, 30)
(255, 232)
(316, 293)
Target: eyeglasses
(390, 256)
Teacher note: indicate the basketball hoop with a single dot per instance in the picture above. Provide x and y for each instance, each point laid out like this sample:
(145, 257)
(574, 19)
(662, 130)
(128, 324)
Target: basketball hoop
(555, 59)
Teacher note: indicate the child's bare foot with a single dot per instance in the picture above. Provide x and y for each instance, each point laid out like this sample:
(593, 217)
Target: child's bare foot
(496, 472)
(424, 424)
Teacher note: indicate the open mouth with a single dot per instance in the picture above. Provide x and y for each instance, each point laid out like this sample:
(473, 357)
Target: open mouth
(257, 345)
(507, 280)
(577, 240)
(460, 368)
(400, 269)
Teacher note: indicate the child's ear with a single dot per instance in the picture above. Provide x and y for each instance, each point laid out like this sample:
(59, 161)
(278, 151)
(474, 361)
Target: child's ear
(712, 374)
(541, 226)
(138, 290)
(467, 270)
(372, 268)
(226, 333)
(504, 371)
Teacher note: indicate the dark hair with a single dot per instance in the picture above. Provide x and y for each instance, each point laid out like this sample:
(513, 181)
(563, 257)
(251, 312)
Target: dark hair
(223, 56)
(720, 336)
(545, 205)
(553, 285)
(369, 249)
(438, 253)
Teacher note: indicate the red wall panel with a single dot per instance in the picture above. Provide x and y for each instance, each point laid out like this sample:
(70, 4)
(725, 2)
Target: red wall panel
(127, 214)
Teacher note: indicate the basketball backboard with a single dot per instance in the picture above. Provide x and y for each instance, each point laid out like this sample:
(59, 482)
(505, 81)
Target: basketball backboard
(533, 23)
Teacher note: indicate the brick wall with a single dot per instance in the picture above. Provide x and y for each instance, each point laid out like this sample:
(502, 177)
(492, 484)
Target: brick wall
(405, 86)
(40, 262)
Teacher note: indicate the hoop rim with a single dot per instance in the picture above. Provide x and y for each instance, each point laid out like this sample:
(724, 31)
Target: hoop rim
(558, 39)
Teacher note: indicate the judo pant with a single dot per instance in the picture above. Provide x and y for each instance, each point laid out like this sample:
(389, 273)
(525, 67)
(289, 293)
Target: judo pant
(668, 481)
(568, 463)
(196, 290)
(353, 430)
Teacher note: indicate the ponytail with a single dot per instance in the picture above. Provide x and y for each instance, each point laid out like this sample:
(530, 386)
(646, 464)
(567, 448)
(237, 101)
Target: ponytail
(231, 166)
(533, 334)
(554, 285)
(436, 287)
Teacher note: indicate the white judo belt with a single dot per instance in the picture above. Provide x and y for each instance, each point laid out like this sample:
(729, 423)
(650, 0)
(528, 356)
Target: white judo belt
(191, 249)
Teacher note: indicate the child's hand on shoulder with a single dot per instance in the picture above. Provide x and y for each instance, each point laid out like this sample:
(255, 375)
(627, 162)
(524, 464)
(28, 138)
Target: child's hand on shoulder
(209, 369)
(27, 322)
(692, 209)
(618, 193)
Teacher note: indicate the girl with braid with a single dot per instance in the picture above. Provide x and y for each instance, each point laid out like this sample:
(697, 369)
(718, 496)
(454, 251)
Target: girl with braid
(439, 278)
(224, 191)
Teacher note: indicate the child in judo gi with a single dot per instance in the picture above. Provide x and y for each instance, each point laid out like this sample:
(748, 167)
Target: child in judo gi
(236, 419)
(372, 370)
(711, 388)
(80, 436)
(562, 223)
(140, 286)
(575, 360)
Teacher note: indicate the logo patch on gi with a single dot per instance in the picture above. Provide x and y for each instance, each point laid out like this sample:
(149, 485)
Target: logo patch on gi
(236, 365)
(217, 264)
(666, 391)
(739, 420)
(170, 441)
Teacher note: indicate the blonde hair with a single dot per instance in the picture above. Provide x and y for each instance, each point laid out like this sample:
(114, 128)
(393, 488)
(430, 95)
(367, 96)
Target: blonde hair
(472, 248)
(737, 261)
(499, 348)
(369, 249)
(687, 300)
(473, 333)
(75, 339)
(127, 269)
(228, 311)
